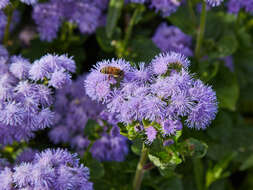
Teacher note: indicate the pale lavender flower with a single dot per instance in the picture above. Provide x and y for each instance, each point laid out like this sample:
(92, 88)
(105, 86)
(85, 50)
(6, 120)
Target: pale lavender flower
(162, 62)
(170, 127)
(59, 79)
(171, 38)
(47, 16)
(20, 67)
(3, 51)
(205, 109)
(49, 170)
(214, 3)
(111, 147)
(27, 155)
(29, 2)
(6, 179)
(166, 7)
(234, 6)
(4, 3)
(151, 134)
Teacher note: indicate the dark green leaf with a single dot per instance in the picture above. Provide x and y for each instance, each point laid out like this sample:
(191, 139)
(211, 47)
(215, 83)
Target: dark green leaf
(114, 12)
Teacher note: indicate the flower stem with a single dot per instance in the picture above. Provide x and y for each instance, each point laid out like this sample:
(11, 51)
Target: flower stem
(140, 169)
(130, 27)
(9, 11)
(201, 30)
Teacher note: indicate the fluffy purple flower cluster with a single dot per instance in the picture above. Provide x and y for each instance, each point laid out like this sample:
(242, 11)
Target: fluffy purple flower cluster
(171, 38)
(165, 7)
(52, 169)
(4, 3)
(161, 94)
(234, 6)
(24, 103)
(87, 14)
(73, 109)
(110, 147)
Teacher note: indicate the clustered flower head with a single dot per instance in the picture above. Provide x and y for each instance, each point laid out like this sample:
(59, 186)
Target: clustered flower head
(25, 100)
(73, 109)
(159, 98)
(234, 6)
(166, 7)
(86, 14)
(52, 169)
(171, 38)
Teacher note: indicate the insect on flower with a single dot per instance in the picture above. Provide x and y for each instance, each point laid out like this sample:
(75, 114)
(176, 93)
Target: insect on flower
(112, 71)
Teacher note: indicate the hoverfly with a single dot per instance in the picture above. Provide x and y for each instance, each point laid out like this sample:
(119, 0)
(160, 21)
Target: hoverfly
(112, 71)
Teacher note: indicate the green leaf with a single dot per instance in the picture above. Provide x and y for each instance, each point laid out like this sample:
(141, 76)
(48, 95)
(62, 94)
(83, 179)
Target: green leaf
(194, 148)
(114, 12)
(137, 146)
(247, 164)
(142, 50)
(226, 46)
(227, 88)
(90, 128)
(183, 14)
(106, 43)
(96, 168)
(217, 171)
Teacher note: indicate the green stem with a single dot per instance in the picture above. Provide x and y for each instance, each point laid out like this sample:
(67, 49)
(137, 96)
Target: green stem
(139, 170)
(199, 174)
(9, 11)
(130, 27)
(201, 30)
(192, 11)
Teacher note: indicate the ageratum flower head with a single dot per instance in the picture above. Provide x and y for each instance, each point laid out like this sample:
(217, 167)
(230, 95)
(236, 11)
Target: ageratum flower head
(235, 6)
(50, 15)
(162, 100)
(74, 109)
(171, 38)
(166, 7)
(52, 169)
(24, 101)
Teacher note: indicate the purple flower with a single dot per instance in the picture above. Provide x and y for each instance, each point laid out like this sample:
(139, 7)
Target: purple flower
(229, 63)
(143, 74)
(20, 67)
(48, 19)
(234, 6)
(153, 108)
(163, 99)
(214, 3)
(6, 179)
(171, 38)
(166, 7)
(4, 3)
(205, 109)
(111, 147)
(12, 114)
(26, 156)
(49, 170)
(151, 134)
(170, 126)
(59, 79)
(29, 2)
(163, 61)
(3, 51)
